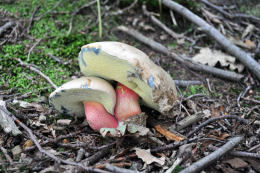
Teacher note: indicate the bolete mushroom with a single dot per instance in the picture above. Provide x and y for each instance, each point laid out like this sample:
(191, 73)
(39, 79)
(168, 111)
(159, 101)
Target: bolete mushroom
(90, 96)
(132, 68)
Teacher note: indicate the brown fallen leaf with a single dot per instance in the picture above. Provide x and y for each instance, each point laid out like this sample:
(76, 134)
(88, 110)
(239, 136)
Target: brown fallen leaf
(168, 133)
(147, 157)
(236, 163)
(250, 44)
(28, 143)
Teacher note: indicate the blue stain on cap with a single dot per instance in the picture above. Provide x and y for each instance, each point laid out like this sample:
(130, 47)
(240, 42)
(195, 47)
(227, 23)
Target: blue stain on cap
(151, 82)
(88, 49)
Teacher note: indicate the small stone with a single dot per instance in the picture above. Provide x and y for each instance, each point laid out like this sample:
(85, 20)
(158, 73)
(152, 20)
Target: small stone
(64, 122)
(42, 118)
(16, 150)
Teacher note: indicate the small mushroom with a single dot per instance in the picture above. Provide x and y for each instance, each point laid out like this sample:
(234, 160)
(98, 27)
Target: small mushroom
(133, 69)
(90, 96)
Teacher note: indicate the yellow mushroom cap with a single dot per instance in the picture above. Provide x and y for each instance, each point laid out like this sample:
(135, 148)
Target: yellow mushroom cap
(131, 67)
(70, 97)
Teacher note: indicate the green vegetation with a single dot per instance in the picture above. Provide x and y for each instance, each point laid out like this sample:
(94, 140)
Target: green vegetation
(52, 29)
(196, 89)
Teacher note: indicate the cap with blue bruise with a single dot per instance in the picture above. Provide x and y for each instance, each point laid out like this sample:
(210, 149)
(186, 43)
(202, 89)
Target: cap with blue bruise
(88, 49)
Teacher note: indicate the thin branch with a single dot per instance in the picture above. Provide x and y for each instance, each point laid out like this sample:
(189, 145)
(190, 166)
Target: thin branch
(182, 60)
(8, 158)
(52, 156)
(6, 26)
(31, 19)
(119, 170)
(30, 66)
(161, 25)
(55, 6)
(241, 55)
(186, 83)
(119, 12)
(216, 119)
(76, 12)
(206, 161)
(31, 49)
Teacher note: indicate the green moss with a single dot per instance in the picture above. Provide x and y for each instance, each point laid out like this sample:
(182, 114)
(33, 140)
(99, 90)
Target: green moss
(196, 89)
(53, 31)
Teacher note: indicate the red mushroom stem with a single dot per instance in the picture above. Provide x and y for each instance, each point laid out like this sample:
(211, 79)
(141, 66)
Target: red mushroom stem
(98, 117)
(127, 104)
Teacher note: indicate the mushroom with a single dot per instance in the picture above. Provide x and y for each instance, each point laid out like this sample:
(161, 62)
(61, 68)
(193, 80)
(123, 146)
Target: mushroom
(90, 96)
(132, 68)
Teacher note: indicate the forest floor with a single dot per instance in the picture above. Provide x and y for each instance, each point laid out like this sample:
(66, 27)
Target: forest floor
(48, 35)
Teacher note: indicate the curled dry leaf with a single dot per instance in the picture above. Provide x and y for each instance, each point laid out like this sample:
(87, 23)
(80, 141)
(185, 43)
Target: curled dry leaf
(147, 157)
(212, 57)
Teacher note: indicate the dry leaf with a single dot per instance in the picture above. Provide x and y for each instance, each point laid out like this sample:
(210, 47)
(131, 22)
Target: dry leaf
(239, 43)
(212, 57)
(250, 44)
(236, 163)
(25, 104)
(168, 134)
(250, 28)
(28, 143)
(147, 157)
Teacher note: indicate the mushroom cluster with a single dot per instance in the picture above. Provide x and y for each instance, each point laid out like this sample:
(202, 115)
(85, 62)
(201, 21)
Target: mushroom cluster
(138, 80)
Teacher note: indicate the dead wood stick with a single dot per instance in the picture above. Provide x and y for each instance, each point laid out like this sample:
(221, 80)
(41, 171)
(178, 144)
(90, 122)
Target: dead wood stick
(116, 169)
(76, 12)
(206, 161)
(8, 158)
(30, 66)
(215, 119)
(31, 49)
(231, 16)
(55, 6)
(31, 19)
(6, 26)
(240, 153)
(241, 55)
(52, 156)
(185, 83)
(96, 157)
(125, 9)
(183, 60)
(161, 25)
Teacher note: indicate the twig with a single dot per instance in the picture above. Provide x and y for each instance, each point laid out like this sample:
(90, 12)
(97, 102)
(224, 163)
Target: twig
(216, 119)
(31, 49)
(76, 12)
(86, 145)
(204, 162)
(125, 9)
(8, 158)
(231, 16)
(241, 95)
(252, 100)
(182, 60)
(195, 95)
(58, 160)
(186, 83)
(242, 56)
(119, 170)
(240, 153)
(55, 6)
(31, 19)
(6, 26)
(59, 60)
(30, 66)
(161, 25)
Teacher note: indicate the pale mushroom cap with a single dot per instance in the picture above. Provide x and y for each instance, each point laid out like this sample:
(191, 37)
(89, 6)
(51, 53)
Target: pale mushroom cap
(70, 97)
(131, 67)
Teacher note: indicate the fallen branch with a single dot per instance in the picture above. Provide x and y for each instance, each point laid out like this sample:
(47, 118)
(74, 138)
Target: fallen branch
(215, 119)
(5, 27)
(8, 158)
(183, 60)
(231, 16)
(119, 170)
(31, 19)
(242, 56)
(31, 49)
(76, 12)
(206, 161)
(120, 12)
(161, 25)
(55, 6)
(58, 160)
(186, 83)
(30, 66)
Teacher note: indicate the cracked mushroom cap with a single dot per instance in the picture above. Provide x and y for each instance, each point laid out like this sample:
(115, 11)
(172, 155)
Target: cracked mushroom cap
(70, 97)
(133, 68)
